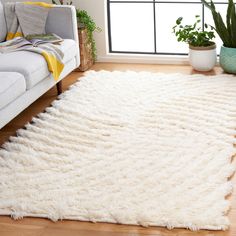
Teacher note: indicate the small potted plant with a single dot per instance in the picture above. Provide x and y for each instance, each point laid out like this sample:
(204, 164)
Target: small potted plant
(227, 33)
(85, 21)
(202, 50)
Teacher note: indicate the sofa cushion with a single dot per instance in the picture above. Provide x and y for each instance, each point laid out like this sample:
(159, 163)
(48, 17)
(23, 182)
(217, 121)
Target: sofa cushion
(3, 26)
(12, 85)
(32, 65)
(69, 47)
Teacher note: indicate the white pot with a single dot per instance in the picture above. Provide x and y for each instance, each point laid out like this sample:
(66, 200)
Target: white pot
(202, 58)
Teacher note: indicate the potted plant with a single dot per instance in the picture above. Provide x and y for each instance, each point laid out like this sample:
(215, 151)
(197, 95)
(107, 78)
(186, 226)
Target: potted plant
(202, 50)
(85, 21)
(227, 33)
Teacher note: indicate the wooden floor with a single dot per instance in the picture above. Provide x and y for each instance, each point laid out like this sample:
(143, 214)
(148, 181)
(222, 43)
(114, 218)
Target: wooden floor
(44, 227)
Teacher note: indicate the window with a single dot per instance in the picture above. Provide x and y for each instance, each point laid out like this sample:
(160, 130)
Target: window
(145, 26)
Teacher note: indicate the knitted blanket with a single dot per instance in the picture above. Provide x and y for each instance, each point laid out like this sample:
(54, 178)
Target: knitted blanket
(26, 18)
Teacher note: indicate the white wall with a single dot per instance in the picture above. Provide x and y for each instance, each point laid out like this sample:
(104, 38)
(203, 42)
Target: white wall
(97, 10)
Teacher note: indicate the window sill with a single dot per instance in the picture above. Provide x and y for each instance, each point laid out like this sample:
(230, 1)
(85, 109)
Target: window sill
(143, 58)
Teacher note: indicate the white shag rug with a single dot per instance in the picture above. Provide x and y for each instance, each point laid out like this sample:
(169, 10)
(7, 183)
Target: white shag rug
(125, 147)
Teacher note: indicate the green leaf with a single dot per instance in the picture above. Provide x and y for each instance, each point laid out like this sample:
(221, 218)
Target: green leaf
(207, 4)
(233, 25)
(179, 20)
(223, 30)
(228, 19)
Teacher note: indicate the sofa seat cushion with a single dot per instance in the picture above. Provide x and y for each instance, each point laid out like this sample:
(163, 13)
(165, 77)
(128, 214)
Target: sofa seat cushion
(32, 65)
(12, 85)
(69, 48)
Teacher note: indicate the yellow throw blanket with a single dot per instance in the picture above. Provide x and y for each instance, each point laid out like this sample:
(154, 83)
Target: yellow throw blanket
(27, 18)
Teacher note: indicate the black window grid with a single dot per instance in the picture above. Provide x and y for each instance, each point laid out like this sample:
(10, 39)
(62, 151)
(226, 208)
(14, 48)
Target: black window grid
(154, 3)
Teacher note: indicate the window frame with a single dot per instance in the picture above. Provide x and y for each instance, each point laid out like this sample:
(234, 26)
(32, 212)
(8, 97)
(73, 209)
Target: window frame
(154, 3)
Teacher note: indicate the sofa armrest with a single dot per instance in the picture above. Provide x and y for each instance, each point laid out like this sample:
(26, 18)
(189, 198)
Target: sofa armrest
(63, 22)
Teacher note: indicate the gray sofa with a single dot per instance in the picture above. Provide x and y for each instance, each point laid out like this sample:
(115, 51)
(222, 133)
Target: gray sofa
(24, 76)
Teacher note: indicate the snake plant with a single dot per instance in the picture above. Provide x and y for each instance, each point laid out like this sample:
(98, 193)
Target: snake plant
(226, 31)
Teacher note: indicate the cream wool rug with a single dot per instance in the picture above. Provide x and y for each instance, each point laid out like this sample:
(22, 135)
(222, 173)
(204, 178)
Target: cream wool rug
(131, 148)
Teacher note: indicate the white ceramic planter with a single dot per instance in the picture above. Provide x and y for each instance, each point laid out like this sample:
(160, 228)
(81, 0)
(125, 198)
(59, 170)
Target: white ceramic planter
(202, 58)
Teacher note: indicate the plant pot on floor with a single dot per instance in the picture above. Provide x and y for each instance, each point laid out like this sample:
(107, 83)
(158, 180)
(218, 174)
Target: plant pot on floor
(226, 31)
(202, 58)
(86, 55)
(228, 59)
